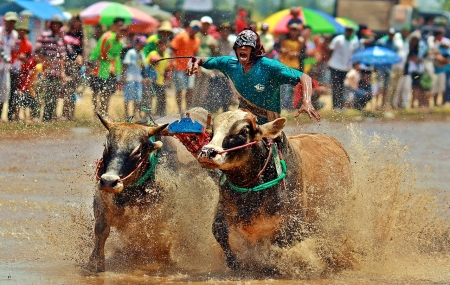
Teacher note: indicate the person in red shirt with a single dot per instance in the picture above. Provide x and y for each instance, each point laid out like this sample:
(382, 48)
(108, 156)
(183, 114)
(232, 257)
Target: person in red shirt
(241, 21)
(185, 44)
(19, 56)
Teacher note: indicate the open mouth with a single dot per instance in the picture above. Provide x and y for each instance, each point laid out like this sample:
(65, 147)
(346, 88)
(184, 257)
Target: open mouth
(243, 56)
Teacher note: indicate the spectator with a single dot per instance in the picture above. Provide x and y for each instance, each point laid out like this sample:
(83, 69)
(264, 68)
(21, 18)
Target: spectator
(165, 31)
(357, 93)
(402, 45)
(267, 40)
(97, 32)
(295, 17)
(415, 67)
(74, 60)
(307, 46)
(208, 45)
(162, 69)
(22, 52)
(106, 58)
(241, 21)
(185, 44)
(221, 92)
(28, 84)
(175, 21)
(343, 47)
(8, 39)
(384, 71)
(52, 43)
(133, 64)
(438, 54)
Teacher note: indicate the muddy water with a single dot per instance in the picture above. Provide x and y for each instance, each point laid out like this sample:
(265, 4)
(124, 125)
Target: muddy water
(395, 219)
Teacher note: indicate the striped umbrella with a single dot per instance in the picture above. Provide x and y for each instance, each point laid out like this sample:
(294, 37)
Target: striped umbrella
(347, 22)
(320, 22)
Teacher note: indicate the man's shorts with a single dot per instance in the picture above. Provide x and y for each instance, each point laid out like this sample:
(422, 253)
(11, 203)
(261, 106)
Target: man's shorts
(132, 91)
(438, 83)
(383, 78)
(103, 85)
(181, 80)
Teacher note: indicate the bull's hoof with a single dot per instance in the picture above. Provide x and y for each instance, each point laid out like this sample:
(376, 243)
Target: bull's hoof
(96, 265)
(232, 262)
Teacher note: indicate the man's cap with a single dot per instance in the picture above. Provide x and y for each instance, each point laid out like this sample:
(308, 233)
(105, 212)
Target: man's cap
(165, 26)
(349, 27)
(22, 26)
(195, 25)
(391, 31)
(368, 32)
(56, 19)
(225, 26)
(294, 26)
(206, 19)
(264, 26)
(11, 16)
(406, 28)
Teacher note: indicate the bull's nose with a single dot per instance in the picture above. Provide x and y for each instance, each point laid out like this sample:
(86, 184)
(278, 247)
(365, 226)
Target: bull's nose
(208, 152)
(110, 183)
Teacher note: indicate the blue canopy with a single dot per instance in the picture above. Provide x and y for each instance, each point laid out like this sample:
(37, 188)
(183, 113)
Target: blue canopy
(376, 55)
(40, 10)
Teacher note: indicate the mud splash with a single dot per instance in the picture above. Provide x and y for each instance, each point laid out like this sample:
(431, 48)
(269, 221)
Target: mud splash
(388, 228)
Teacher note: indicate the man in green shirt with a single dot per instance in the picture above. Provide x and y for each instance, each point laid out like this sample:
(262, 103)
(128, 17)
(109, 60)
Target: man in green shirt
(258, 79)
(106, 56)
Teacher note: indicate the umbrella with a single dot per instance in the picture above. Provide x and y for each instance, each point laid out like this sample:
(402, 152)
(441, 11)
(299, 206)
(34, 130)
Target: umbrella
(155, 12)
(376, 56)
(320, 22)
(347, 22)
(105, 13)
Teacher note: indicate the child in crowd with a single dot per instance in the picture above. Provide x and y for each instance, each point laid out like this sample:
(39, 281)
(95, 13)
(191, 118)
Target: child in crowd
(133, 64)
(359, 90)
(162, 69)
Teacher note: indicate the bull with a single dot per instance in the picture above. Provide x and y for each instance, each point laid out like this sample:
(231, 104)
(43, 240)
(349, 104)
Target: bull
(272, 186)
(127, 187)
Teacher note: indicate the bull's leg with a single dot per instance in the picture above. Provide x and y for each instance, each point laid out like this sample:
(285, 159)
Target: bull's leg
(221, 232)
(101, 233)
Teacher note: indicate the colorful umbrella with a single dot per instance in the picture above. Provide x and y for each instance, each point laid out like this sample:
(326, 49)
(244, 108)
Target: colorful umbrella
(153, 11)
(320, 22)
(105, 13)
(376, 56)
(347, 22)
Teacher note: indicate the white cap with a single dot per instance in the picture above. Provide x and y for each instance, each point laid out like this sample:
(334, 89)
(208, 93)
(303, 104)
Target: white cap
(206, 19)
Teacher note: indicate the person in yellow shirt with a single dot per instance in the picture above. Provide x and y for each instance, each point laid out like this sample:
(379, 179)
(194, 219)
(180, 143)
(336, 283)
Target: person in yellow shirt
(162, 69)
(291, 47)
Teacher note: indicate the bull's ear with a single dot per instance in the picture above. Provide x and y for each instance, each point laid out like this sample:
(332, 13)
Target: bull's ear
(105, 121)
(271, 129)
(156, 130)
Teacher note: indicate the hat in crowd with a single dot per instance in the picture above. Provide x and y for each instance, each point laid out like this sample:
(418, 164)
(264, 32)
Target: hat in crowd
(56, 19)
(165, 26)
(294, 26)
(349, 27)
(391, 31)
(141, 40)
(11, 16)
(195, 25)
(206, 19)
(406, 28)
(368, 32)
(264, 26)
(22, 26)
(225, 26)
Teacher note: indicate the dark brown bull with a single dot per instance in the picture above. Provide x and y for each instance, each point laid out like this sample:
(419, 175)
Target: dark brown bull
(125, 160)
(280, 214)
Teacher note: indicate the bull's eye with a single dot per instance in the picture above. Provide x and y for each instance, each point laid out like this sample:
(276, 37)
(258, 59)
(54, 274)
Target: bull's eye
(136, 153)
(243, 132)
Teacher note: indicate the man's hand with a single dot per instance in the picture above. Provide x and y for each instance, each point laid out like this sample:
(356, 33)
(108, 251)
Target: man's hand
(308, 108)
(193, 67)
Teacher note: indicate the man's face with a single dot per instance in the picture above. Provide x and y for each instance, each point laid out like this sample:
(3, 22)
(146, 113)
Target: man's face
(55, 26)
(205, 27)
(224, 33)
(348, 32)
(22, 33)
(165, 34)
(193, 31)
(123, 31)
(10, 25)
(117, 26)
(405, 33)
(243, 54)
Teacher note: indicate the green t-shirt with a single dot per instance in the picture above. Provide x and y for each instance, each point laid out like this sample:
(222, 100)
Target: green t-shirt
(107, 52)
(260, 85)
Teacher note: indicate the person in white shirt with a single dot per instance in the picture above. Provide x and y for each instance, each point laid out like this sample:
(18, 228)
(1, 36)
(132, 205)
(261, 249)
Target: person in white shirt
(8, 39)
(343, 47)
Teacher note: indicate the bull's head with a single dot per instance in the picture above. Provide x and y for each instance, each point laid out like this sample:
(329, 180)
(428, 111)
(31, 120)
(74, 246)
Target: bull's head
(127, 147)
(232, 129)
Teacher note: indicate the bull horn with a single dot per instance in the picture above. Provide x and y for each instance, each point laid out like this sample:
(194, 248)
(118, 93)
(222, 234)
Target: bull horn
(105, 121)
(156, 130)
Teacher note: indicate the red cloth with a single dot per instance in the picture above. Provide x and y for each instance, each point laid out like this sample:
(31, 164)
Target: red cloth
(26, 74)
(240, 25)
(298, 93)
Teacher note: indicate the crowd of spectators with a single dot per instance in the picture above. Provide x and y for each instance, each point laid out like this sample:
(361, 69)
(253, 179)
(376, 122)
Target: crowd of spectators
(36, 76)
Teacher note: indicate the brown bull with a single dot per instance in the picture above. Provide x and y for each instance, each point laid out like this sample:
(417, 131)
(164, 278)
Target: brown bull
(256, 206)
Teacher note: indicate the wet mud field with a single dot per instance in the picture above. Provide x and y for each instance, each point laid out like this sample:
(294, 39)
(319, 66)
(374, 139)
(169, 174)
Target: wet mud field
(395, 218)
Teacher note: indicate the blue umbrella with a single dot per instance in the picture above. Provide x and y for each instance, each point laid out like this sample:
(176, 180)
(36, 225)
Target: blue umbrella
(376, 56)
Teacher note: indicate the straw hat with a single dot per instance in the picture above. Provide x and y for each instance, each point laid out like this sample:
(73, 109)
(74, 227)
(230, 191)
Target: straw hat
(165, 26)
